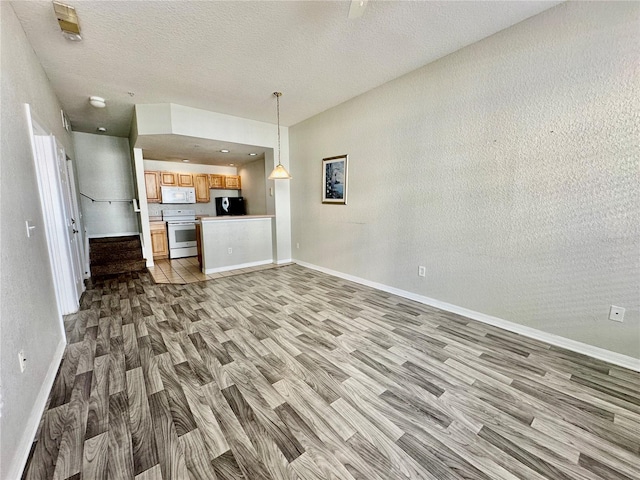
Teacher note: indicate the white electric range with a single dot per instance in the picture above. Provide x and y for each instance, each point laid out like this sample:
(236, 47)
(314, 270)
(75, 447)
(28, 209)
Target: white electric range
(181, 228)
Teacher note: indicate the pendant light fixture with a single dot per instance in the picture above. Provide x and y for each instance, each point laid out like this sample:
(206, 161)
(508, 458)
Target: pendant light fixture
(279, 173)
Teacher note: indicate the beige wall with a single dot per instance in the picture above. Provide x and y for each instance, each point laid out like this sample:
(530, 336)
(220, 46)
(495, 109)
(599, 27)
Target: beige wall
(508, 169)
(104, 173)
(254, 187)
(27, 305)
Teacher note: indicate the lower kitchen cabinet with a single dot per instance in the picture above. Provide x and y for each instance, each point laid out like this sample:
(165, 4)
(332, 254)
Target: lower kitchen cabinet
(159, 240)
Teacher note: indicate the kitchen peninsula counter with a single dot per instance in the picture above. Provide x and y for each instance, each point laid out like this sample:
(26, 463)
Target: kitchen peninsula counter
(232, 242)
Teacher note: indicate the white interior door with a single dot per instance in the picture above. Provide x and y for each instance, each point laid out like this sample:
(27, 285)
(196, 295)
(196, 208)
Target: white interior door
(71, 220)
(51, 170)
(83, 254)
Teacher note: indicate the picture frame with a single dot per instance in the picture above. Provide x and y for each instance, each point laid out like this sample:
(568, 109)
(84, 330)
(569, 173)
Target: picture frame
(334, 180)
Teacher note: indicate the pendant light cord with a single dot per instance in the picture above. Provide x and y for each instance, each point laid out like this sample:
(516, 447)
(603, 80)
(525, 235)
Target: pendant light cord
(279, 172)
(278, 95)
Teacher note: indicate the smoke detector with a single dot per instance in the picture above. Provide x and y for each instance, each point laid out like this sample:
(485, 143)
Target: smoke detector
(68, 21)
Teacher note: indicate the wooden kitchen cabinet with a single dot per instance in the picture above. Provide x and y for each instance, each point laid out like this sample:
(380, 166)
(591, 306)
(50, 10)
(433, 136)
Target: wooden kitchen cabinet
(216, 181)
(232, 182)
(152, 186)
(185, 180)
(159, 240)
(168, 179)
(201, 181)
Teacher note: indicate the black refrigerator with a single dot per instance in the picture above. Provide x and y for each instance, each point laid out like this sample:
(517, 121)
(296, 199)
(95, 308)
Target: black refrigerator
(230, 206)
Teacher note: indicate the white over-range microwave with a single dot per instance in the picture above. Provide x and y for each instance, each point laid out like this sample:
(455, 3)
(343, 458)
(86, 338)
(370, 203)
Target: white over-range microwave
(178, 195)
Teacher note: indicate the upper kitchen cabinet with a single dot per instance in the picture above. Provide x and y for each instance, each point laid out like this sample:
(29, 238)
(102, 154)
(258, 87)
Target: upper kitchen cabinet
(201, 181)
(169, 179)
(152, 186)
(232, 182)
(216, 181)
(185, 180)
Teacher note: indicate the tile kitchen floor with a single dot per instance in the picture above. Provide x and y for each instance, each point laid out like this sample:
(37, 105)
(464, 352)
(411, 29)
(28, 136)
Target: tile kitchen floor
(186, 270)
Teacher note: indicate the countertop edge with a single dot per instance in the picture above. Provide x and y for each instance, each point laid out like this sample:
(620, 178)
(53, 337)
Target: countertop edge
(229, 218)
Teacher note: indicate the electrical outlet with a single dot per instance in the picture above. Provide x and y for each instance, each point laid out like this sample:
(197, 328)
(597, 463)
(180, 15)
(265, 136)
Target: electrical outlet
(422, 271)
(230, 250)
(22, 360)
(297, 245)
(616, 313)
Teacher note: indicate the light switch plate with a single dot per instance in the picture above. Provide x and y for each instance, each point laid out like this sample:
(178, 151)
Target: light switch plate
(30, 228)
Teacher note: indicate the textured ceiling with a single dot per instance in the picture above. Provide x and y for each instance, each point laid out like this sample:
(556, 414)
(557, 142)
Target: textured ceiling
(229, 57)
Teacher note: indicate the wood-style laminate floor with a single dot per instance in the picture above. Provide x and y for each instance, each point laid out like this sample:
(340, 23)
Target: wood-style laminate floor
(293, 374)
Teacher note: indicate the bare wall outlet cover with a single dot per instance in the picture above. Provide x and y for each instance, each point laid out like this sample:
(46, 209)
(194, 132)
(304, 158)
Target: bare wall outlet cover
(616, 313)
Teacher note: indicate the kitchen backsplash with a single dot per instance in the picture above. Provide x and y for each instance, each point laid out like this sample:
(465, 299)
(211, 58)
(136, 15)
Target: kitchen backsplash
(155, 209)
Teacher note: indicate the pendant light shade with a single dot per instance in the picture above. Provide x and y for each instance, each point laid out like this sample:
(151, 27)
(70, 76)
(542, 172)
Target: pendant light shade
(279, 173)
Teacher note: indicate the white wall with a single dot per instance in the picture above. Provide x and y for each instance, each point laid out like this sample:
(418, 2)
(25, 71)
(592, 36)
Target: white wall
(27, 304)
(104, 173)
(254, 187)
(509, 169)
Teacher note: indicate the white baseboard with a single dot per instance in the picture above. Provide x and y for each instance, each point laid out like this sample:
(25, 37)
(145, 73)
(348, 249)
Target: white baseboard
(29, 432)
(236, 267)
(578, 347)
(281, 262)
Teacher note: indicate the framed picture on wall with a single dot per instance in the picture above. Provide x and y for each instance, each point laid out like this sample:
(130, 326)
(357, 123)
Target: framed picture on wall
(334, 180)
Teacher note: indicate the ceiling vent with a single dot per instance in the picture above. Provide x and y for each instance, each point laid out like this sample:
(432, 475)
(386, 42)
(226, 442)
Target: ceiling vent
(68, 21)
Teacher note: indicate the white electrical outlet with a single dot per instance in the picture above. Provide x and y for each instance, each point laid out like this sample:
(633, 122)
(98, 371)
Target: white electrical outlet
(297, 245)
(22, 360)
(422, 271)
(230, 250)
(616, 313)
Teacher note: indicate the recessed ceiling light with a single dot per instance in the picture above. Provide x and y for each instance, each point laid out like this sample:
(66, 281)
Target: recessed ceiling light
(186, 160)
(253, 154)
(97, 102)
(101, 129)
(224, 151)
(232, 164)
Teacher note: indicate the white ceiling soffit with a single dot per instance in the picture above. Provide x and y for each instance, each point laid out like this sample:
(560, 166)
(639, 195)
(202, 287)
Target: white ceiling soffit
(229, 56)
(175, 148)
